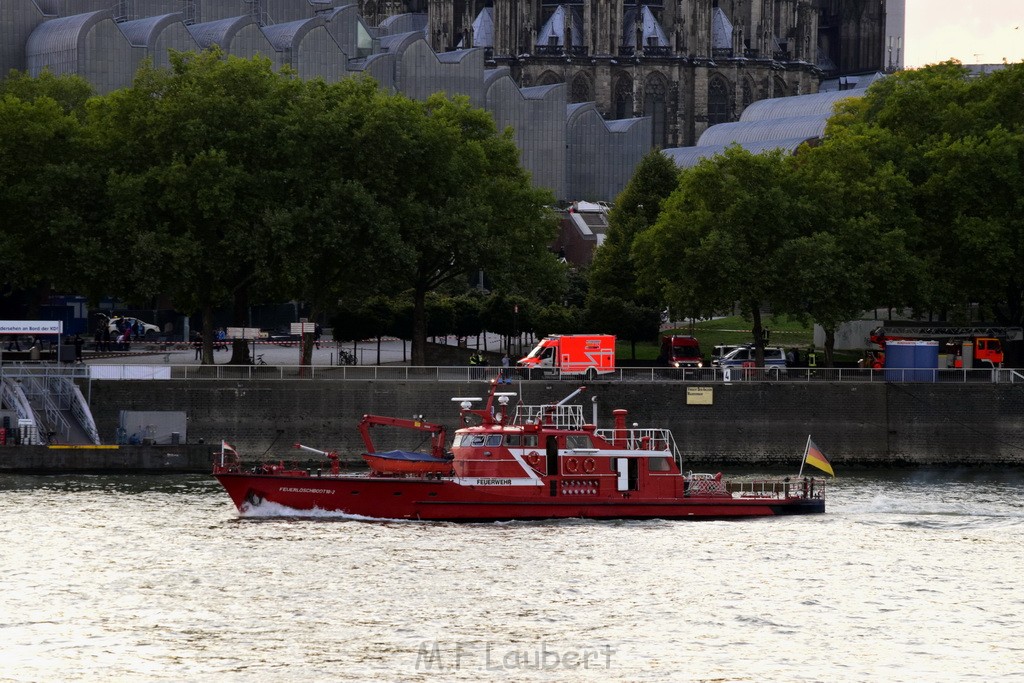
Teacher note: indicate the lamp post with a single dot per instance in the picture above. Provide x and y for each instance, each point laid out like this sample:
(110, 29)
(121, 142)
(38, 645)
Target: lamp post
(515, 327)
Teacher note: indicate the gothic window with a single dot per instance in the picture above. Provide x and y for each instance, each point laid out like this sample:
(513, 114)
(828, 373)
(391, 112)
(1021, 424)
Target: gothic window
(719, 109)
(623, 98)
(656, 106)
(780, 88)
(370, 12)
(748, 94)
(548, 78)
(581, 89)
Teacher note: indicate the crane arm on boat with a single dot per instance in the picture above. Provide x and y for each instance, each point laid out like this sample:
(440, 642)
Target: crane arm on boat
(438, 432)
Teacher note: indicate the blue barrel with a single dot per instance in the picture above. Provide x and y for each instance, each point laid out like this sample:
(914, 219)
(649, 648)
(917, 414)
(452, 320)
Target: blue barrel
(899, 361)
(926, 360)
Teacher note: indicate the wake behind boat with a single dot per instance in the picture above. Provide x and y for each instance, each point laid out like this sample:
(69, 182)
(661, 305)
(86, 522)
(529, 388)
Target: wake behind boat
(542, 462)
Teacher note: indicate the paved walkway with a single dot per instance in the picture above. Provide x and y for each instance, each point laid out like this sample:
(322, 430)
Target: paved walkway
(391, 351)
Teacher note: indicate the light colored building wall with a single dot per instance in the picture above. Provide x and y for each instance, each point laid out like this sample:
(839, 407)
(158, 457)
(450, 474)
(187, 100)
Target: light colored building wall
(173, 37)
(538, 130)
(106, 59)
(420, 73)
(18, 18)
(249, 41)
(319, 55)
(380, 68)
(601, 155)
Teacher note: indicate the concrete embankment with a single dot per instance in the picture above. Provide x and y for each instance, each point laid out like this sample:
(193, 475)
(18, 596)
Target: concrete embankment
(179, 459)
(742, 424)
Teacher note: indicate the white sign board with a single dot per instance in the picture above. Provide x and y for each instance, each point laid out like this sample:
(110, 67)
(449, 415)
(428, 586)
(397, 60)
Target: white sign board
(31, 327)
(303, 328)
(245, 333)
(120, 372)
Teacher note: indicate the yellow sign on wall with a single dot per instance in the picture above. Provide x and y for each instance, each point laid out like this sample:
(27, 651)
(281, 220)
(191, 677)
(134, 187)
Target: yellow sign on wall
(699, 396)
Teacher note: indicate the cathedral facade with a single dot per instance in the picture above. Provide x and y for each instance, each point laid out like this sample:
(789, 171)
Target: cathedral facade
(686, 64)
(587, 87)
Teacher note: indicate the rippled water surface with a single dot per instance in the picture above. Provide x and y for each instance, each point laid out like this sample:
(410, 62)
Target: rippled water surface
(907, 577)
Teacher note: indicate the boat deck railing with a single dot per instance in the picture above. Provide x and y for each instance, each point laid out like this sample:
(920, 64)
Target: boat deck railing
(636, 439)
(566, 416)
(807, 487)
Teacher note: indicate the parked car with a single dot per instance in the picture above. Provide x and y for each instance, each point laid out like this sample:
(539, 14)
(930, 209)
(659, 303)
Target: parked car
(723, 350)
(774, 359)
(146, 330)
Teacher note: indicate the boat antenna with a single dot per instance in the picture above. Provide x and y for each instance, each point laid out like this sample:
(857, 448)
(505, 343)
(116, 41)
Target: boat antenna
(276, 437)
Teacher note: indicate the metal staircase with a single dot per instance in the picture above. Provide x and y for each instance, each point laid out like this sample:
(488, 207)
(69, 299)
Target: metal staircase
(49, 405)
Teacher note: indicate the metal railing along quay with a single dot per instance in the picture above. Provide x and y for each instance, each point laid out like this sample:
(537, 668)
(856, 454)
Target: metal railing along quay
(405, 373)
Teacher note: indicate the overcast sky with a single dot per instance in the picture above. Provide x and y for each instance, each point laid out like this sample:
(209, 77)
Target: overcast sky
(973, 31)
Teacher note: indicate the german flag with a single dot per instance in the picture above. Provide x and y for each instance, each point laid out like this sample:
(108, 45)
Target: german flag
(815, 458)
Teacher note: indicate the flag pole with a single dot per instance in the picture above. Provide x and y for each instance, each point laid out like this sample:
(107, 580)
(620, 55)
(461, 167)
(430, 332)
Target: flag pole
(803, 460)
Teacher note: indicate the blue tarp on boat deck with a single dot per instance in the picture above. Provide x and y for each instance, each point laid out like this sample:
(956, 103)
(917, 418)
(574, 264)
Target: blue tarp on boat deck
(408, 456)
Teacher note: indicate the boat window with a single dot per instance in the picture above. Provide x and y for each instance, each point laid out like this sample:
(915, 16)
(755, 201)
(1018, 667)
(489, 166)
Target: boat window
(477, 441)
(578, 441)
(494, 440)
(658, 465)
(531, 440)
(513, 440)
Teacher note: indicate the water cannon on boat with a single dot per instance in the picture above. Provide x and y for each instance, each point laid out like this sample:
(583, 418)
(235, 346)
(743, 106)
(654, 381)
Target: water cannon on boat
(330, 455)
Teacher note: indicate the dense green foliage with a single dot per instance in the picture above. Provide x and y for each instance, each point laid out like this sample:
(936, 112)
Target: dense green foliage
(48, 188)
(913, 200)
(220, 182)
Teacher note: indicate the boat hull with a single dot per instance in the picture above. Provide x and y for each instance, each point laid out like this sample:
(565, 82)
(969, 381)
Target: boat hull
(446, 500)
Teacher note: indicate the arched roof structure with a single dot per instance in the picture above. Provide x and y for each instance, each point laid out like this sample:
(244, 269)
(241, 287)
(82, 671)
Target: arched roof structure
(144, 32)
(805, 127)
(778, 123)
(288, 36)
(686, 157)
(62, 34)
(219, 32)
(817, 104)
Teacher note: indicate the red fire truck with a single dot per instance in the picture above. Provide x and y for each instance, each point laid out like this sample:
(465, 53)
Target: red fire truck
(679, 351)
(964, 347)
(584, 354)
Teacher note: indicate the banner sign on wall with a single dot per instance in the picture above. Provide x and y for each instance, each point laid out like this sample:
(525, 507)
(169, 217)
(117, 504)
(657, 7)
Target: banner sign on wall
(31, 326)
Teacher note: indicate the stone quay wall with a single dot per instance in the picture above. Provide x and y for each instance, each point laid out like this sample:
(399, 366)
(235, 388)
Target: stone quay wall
(746, 424)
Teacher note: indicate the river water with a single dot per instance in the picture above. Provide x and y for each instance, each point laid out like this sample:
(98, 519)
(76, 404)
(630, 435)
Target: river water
(909, 576)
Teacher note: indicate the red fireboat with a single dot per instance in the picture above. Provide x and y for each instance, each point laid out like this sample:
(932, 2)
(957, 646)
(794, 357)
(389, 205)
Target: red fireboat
(540, 462)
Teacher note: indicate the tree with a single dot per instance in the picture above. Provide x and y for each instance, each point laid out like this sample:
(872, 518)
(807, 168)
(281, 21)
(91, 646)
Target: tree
(556, 319)
(330, 230)
(613, 273)
(196, 177)
(720, 235)
(615, 303)
(455, 192)
(627, 320)
(958, 140)
(857, 255)
(69, 91)
(50, 196)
